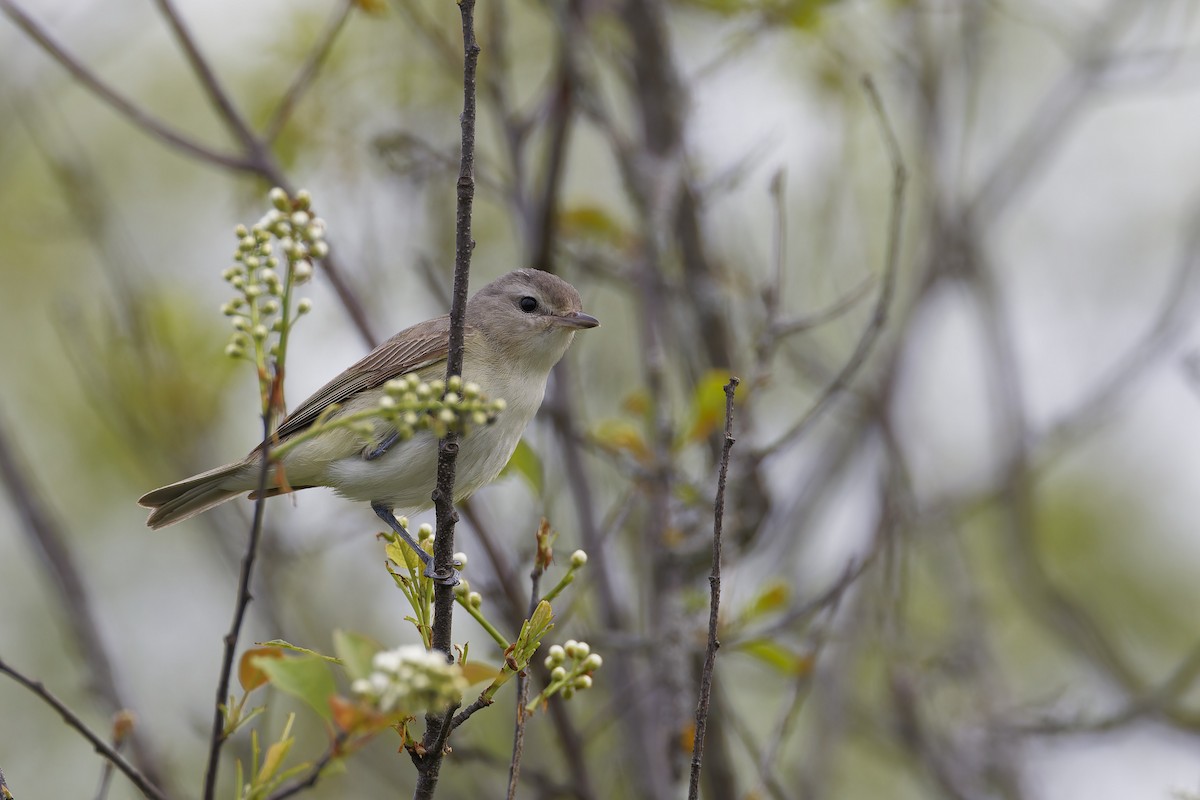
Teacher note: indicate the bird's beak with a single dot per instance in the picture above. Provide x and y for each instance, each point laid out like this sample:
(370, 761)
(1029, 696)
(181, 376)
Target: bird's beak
(576, 320)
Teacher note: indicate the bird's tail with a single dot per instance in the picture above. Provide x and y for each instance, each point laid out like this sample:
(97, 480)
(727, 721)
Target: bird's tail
(191, 496)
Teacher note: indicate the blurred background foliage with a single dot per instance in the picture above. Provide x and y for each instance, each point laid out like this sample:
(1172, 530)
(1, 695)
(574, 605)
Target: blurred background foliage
(961, 550)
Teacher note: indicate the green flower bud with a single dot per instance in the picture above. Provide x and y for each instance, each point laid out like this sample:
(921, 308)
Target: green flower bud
(424, 532)
(583, 682)
(593, 662)
(278, 198)
(475, 599)
(240, 231)
(558, 674)
(303, 199)
(304, 306)
(320, 249)
(557, 654)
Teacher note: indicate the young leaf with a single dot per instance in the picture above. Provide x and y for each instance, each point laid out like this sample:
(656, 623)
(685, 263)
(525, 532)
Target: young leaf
(356, 652)
(250, 676)
(305, 677)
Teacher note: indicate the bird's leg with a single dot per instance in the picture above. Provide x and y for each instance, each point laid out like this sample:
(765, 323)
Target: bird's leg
(381, 448)
(384, 512)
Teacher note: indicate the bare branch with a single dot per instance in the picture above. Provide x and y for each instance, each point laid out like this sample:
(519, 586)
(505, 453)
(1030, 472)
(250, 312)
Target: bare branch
(144, 784)
(714, 582)
(116, 101)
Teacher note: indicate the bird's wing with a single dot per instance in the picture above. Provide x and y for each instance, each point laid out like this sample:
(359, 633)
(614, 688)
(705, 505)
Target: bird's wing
(415, 348)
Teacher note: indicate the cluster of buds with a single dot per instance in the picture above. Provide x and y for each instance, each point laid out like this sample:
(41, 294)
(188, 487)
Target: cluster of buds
(411, 679)
(411, 404)
(571, 665)
(262, 305)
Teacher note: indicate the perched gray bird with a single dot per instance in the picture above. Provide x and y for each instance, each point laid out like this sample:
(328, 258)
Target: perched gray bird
(517, 328)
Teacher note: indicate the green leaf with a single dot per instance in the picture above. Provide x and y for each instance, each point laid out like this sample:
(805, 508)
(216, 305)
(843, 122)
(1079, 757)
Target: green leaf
(777, 657)
(307, 678)
(356, 651)
(773, 597)
(526, 463)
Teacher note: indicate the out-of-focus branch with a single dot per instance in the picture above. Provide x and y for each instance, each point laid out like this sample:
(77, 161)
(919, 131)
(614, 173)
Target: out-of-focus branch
(114, 99)
(139, 779)
(49, 542)
(308, 72)
(879, 313)
(255, 158)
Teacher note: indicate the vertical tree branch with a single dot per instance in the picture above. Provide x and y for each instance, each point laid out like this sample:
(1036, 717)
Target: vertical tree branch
(714, 583)
(217, 737)
(437, 725)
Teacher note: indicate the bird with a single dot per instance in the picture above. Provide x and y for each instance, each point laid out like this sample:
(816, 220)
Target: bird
(516, 329)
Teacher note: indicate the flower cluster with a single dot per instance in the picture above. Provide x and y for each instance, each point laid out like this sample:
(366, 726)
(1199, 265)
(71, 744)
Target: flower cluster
(411, 679)
(263, 304)
(571, 665)
(411, 404)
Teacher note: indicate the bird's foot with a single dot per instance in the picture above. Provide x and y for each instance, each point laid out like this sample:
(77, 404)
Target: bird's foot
(448, 578)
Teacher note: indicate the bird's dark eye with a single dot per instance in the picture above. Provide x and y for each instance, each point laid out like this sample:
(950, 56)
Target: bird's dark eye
(528, 304)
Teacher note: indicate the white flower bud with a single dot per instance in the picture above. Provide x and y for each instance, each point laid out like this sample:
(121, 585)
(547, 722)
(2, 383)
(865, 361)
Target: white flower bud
(460, 560)
(558, 674)
(578, 559)
(320, 249)
(475, 599)
(557, 654)
(582, 649)
(300, 218)
(583, 682)
(593, 662)
(424, 532)
(304, 306)
(303, 199)
(278, 198)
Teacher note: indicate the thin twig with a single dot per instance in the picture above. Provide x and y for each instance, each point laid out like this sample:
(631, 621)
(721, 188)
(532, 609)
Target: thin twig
(217, 738)
(514, 766)
(314, 772)
(437, 725)
(144, 784)
(714, 583)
